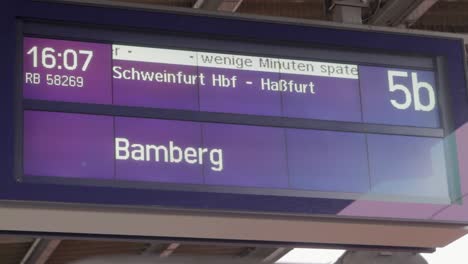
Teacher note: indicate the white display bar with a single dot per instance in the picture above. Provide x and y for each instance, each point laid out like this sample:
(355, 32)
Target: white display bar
(235, 62)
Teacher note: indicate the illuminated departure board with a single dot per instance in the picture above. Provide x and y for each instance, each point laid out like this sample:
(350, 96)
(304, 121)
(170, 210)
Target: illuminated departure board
(82, 72)
(132, 108)
(291, 160)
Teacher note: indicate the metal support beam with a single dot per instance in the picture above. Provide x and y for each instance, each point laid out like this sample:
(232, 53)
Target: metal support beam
(418, 12)
(42, 251)
(401, 12)
(218, 5)
(212, 5)
(30, 250)
(15, 239)
(169, 250)
(276, 255)
(265, 255)
(230, 5)
(153, 248)
(348, 11)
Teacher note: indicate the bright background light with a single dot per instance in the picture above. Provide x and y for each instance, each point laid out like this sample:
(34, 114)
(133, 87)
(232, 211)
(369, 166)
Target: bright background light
(311, 256)
(454, 253)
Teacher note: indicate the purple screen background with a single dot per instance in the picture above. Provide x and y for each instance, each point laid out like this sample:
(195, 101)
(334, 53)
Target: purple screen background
(376, 98)
(98, 76)
(339, 99)
(264, 157)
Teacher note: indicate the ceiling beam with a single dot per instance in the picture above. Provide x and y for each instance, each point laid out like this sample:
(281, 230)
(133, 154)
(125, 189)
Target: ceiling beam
(400, 12)
(30, 251)
(169, 250)
(266, 255)
(276, 255)
(418, 12)
(15, 239)
(218, 5)
(230, 5)
(212, 5)
(42, 251)
(153, 248)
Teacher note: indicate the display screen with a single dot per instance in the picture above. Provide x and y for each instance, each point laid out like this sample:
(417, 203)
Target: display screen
(227, 155)
(180, 152)
(70, 71)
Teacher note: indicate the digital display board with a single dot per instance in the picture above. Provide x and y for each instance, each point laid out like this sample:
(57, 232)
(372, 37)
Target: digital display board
(152, 150)
(81, 72)
(384, 140)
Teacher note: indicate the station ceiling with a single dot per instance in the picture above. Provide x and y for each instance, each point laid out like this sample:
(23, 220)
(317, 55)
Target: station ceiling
(37, 250)
(441, 15)
(446, 16)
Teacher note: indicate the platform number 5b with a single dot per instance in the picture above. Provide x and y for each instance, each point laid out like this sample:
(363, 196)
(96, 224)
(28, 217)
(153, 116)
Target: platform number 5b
(412, 95)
